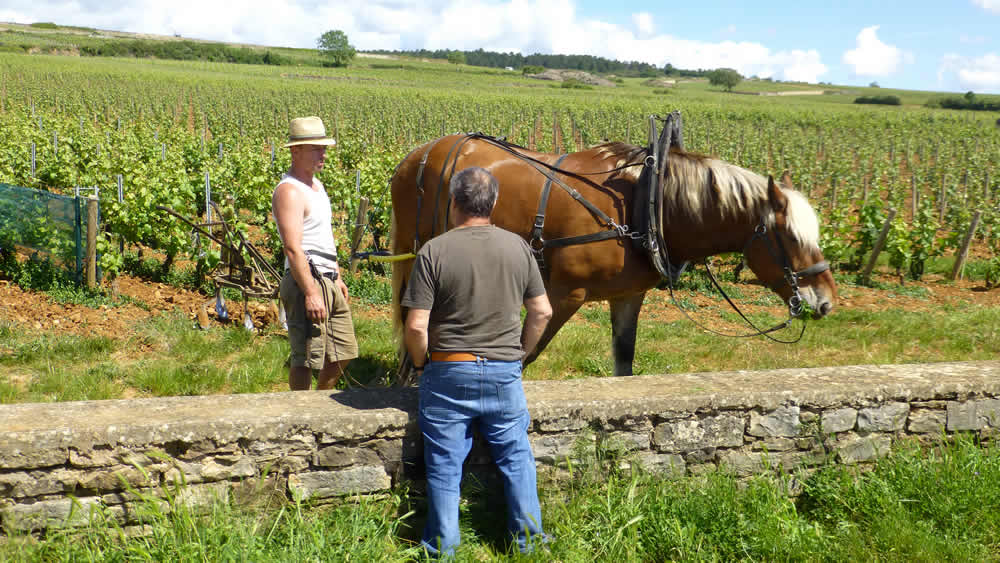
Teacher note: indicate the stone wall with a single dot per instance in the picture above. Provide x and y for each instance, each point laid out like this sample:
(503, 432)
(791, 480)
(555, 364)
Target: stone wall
(58, 460)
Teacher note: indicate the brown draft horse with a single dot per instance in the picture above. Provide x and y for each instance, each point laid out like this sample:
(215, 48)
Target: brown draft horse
(709, 207)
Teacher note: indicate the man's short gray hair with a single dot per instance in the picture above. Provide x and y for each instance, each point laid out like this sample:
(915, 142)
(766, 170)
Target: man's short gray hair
(475, 191)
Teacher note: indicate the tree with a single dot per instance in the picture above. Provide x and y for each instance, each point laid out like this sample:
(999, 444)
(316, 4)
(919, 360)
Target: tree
(334, 47)
(456, 57)
(725, 77)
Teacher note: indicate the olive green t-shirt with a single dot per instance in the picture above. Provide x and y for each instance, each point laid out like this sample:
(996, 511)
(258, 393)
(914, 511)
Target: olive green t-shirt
(474, 280)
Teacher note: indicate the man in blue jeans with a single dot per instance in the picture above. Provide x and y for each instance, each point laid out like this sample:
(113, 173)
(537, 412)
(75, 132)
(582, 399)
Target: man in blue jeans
(464, 298)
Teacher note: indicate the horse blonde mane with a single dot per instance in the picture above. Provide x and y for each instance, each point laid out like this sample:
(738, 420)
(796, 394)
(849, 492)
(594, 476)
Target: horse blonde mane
(696, 185)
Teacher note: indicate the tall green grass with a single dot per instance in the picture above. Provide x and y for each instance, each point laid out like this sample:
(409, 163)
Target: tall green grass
(937, 504)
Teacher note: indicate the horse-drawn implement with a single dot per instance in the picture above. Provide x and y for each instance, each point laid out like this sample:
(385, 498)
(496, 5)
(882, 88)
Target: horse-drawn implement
(241, 266)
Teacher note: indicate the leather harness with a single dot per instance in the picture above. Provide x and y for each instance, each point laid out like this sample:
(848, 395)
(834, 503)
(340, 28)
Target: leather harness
(647, 203)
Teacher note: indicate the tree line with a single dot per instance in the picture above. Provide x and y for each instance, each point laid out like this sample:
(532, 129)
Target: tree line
(182, 50)
(518, 61)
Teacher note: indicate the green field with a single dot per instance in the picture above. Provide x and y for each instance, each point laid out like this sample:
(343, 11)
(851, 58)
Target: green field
(164, 127)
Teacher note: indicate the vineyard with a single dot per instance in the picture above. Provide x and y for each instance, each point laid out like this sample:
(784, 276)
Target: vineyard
(149, 133)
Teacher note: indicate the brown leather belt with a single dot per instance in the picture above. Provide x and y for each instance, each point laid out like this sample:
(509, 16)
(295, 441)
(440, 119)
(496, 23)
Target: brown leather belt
(454, 357)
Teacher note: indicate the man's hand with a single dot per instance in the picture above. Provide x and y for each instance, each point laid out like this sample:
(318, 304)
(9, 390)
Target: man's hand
(315, 307)
(341, 286)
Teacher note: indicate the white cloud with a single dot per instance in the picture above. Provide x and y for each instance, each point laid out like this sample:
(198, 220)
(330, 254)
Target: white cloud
(872, 57)
(526, 26)
(980, 74)
(644, 23)
(988, 5)
(972, 39)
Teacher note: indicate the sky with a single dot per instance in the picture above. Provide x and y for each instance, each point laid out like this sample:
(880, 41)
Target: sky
(937, 45)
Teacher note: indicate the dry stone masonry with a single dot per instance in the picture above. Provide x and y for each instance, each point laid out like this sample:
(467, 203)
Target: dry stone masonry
(59, 461)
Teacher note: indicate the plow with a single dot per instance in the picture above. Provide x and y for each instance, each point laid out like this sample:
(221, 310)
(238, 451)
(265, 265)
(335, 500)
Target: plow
(243, 268)
(241, 265)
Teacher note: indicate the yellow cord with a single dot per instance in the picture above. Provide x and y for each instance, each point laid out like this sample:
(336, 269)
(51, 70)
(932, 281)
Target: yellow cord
(392, 258)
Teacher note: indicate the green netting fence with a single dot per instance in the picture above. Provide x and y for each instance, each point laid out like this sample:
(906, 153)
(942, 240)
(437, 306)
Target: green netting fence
(44, 222)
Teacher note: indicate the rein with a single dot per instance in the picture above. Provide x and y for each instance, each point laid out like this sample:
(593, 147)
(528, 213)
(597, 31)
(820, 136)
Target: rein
(791, 277)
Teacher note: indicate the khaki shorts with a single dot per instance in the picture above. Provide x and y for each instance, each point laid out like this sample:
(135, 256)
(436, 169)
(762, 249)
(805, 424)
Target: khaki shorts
(314, 344)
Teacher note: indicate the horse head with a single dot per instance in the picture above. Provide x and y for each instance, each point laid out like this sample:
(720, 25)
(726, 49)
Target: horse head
(784, 252)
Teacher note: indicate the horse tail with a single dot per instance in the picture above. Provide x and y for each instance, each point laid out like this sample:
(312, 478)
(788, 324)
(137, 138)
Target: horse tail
(402, 236)
(400, 274)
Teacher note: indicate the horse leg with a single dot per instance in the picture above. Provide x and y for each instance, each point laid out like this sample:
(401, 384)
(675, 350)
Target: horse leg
(624, 322)
(562, 309)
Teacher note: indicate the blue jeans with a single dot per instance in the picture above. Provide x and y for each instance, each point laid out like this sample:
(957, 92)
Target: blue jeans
(454, 396)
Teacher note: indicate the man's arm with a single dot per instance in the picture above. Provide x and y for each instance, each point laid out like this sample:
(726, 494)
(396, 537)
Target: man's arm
(288, 207)
(539, 311)
(415, 335)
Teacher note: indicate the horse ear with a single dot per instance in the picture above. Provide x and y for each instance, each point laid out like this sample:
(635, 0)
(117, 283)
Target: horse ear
(786, 180)
(777, 198)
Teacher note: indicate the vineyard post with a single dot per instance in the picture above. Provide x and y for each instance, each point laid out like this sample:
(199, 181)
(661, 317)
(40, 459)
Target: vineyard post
(272, 152)
(878, 245)
(942, 198)
(32, 160)
(208, 197)
(55, 143)
(986, 188)
(914, 201)
(965, 187)
(91, 242)
(221, 152)
(956, 272)
(555, 145)
(360, 223)
(121, 199)
(864, 193)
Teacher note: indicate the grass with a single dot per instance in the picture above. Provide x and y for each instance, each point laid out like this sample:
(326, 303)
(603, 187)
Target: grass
(931, 504)
(168, 356)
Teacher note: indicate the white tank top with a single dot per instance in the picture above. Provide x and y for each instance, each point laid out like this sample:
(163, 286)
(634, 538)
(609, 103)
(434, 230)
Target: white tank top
(317, 231)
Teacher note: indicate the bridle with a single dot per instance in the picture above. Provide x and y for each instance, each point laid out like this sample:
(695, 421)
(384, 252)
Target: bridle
(790, 277)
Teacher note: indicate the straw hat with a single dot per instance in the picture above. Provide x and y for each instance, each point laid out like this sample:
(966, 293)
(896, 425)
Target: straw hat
(308, 131)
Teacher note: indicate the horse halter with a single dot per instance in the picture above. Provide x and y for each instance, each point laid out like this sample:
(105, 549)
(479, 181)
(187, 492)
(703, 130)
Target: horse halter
(791, 277)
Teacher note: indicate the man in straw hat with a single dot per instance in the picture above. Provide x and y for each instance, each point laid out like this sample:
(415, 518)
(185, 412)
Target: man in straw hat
(320, 329)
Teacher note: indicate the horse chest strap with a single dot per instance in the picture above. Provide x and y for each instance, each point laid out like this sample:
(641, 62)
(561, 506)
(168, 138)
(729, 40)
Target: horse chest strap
(537, 242)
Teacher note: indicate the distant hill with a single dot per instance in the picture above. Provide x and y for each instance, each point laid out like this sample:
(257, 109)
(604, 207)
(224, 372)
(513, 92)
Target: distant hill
(51, 38)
